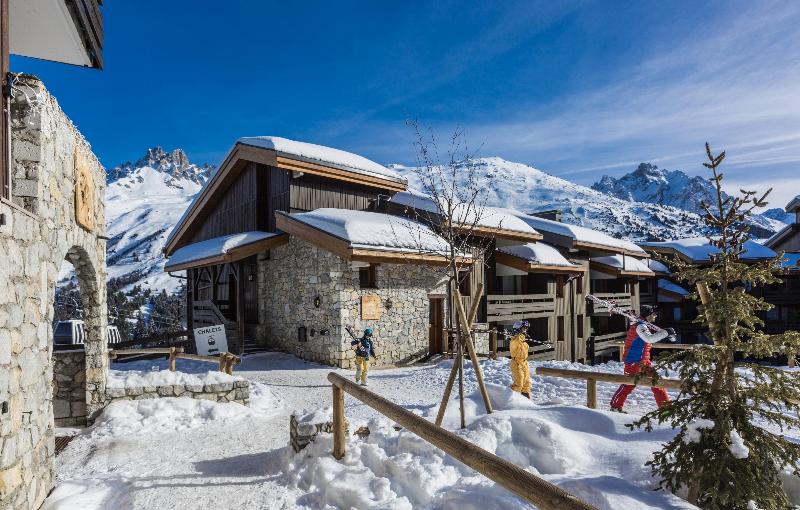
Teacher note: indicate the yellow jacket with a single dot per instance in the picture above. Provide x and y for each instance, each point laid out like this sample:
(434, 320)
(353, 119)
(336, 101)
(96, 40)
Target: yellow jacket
(519, 348)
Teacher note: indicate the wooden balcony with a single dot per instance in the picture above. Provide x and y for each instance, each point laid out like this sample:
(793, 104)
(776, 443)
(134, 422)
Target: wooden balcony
(608, 341)
(622, 299)
(522, 306)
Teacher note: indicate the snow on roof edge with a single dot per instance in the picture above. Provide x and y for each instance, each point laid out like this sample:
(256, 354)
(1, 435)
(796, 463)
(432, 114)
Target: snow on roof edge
(216, 246)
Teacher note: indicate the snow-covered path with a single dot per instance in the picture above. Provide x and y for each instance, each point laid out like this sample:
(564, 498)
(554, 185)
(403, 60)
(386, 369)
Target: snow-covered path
(227, 456)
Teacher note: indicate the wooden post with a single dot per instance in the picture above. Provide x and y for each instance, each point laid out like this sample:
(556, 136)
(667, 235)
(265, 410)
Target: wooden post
(461, 381)
(447, 390)
(339, 438)
(467, 342)
(591, 393)
(493, 343)
(622, 352)
(446, 343)
(172, 358)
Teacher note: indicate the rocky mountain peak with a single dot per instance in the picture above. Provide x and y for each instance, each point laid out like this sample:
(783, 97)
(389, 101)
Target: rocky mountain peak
(174, 163)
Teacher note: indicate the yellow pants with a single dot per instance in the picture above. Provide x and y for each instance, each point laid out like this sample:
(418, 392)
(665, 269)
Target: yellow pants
(521, 375)
(362, 367)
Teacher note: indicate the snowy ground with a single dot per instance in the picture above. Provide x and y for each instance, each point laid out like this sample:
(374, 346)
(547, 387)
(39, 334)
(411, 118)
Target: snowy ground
(175, 453)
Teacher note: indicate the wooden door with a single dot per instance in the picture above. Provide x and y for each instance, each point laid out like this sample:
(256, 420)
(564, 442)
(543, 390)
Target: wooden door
(436, 325)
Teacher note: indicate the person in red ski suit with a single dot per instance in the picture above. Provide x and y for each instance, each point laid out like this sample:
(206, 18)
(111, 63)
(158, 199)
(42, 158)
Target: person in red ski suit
(637, 356)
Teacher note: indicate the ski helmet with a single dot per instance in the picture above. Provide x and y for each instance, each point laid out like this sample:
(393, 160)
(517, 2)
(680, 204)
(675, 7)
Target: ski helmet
(521, 324)
(648, 310)
(368, 332)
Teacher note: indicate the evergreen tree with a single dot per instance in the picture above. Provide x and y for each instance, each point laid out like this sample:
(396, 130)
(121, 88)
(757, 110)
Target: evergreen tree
(729, 450)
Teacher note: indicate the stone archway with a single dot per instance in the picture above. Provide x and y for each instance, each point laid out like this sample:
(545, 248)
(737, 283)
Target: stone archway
(55, 209)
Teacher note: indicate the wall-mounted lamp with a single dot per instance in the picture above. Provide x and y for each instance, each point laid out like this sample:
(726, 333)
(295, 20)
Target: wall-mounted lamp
(250, 278)
(317, 302)
(389, 303)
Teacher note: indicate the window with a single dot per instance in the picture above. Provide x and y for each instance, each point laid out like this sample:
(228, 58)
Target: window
(464, 284)
(366, 277)
(560, 328)
(677, 313)
(560, 286)
(579, 287)
(580, 326)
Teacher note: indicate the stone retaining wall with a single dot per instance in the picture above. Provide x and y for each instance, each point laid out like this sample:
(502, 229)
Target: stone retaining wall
(69, 388)
(236, 391)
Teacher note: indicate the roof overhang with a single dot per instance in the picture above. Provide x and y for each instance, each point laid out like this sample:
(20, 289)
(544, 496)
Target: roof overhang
(504, 233)
(238, 253)
(525, 265)
(583, 245)
(782, 235)
(341, 247)
(67, 31)
(615, 271)
(238, 158)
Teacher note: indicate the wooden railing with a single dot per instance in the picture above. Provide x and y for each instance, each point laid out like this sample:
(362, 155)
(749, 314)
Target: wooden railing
(528, 486)
(592, 379)
(226, 360)
(608, 341)
(622, 299)
(658, 345)
(522, 306)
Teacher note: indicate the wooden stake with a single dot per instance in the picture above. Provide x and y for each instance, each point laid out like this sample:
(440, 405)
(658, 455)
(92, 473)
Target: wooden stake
(467, 341)
(172, 359)
(493, 343)
(447, 390)
(461, 382)
(339, 439)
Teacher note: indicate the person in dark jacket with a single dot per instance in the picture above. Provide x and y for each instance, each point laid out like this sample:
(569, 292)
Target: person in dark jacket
(364, 349)
(637, 355)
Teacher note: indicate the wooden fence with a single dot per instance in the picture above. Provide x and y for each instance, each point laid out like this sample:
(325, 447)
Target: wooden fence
(226, 360)
(528, 486)
(592, 378)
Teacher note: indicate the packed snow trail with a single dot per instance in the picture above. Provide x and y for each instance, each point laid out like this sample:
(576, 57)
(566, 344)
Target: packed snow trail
(180, 453)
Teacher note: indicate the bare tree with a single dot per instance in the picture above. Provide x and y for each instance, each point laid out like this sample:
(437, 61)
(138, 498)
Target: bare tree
(453, 206)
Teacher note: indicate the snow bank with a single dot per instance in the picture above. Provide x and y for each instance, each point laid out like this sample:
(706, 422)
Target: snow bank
(376, 231)
(215, 247)
(587, 452)
(323, 154)
(142, 378)
(538, 253)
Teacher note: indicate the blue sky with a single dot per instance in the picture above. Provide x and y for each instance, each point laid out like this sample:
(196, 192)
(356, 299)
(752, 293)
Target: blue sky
(577, 89)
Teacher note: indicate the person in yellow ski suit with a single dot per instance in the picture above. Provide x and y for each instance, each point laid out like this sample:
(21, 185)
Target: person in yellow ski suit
(520, 371)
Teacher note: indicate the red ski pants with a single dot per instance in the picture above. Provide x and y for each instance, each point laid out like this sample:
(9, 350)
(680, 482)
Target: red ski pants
(624, 390)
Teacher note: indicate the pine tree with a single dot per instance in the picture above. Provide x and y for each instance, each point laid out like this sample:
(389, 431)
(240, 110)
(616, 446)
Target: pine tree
(729, 450)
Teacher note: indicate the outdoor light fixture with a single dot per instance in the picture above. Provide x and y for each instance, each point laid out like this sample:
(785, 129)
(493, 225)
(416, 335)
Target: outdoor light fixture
(250, 278)
(317, 302)
(388, 303)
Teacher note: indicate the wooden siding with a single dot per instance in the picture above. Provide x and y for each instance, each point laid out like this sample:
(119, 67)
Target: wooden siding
(309, 192)
(4, 134)
(89, 23)
(235, 211)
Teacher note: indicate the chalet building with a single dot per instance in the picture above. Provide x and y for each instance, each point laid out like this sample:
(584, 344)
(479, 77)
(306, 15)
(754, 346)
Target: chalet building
(679, 311)
(284, 247)
(786, 295)
(540, 270)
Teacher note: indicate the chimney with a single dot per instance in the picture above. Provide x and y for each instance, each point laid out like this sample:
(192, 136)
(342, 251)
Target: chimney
(552, 214)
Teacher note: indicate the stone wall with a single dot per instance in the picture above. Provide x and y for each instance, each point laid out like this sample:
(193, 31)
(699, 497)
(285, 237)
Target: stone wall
(69, 388)
(235, 391)
(38, 231)
(293, 275)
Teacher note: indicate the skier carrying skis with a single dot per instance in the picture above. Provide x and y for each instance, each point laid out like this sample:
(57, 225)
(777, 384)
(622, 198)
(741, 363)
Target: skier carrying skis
(520, 371)
(637, 355)
(364, 349)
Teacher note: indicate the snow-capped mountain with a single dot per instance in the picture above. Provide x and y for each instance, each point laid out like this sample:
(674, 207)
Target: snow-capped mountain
(143, 202)
(528, 189)
(675, 188)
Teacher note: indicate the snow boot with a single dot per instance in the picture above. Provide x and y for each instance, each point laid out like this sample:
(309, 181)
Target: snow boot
(363, 383)
(526, 395)
(618, 410)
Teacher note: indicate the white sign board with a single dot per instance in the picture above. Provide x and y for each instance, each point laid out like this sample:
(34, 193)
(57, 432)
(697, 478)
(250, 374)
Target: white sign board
(211, 340)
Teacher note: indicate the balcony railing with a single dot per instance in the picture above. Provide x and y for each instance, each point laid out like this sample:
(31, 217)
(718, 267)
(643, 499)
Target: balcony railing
(622, 299)
(522, 306)
(608, 341)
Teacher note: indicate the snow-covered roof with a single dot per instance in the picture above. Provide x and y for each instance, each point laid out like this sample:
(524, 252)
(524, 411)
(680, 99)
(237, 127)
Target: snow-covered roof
(581, 234)
(627, 264)
(374, 231)
(327, 155)
(218, 246)
(416, 200)
(794, 204)
(537, 253)
(657, 267)
(672, 287)
(791, 261)
(698, 249)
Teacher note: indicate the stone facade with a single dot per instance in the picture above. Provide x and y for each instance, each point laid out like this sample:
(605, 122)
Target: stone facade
(69, 388)
(236, 391)
(291, 276)
(38, 230)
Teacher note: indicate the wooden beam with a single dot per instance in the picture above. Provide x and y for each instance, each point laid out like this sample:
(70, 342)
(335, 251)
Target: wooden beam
(583, 245)
(505, 233)
(291, 162)
(615, 271)
(641, 380)
(5, 157)
(524, 265)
